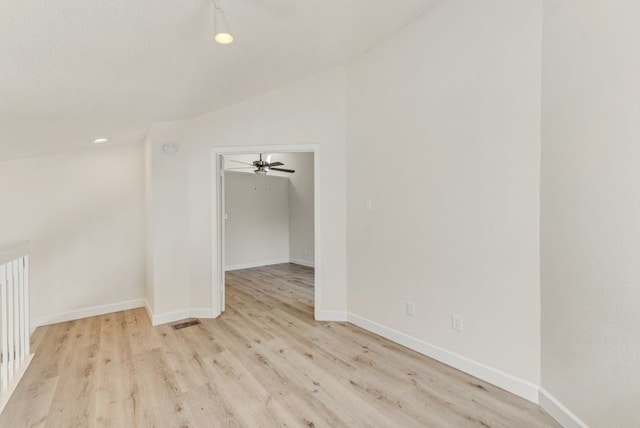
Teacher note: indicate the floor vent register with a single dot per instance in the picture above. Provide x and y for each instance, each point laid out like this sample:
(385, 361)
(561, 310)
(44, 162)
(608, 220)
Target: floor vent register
(184, 324)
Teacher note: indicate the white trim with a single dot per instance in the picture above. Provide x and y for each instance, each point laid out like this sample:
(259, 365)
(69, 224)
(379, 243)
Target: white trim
(217, 262)
(268, 263)
(87, 312)
(317, 234)
(217, 233)
(6, 395)
(200, 313)
(170, 317)
(149, 311)
(558, 411)
(339, 316)
(255, 264)
(302, 263)
(523, 388)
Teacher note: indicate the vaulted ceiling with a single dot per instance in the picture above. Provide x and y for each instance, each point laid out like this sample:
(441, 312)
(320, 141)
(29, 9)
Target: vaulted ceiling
(74, 70)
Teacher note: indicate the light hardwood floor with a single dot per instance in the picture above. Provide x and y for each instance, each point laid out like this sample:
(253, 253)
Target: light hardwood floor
(265, 362)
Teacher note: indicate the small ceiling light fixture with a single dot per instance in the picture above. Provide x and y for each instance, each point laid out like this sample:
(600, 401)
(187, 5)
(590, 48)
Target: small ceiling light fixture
(222, 34)
(170, 149)
(100, 140)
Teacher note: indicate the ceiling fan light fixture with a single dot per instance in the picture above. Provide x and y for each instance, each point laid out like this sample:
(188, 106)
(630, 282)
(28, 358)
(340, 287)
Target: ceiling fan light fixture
(223, 38)
(261, 167)
(222, 35)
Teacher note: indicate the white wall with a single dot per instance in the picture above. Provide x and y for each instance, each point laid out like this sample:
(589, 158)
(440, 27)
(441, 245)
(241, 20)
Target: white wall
(301, 199)
(257, 225)
(83, 213)
(591, 209)
(312, 111)
(454, 99)
(170, 232)
(443, 137)
(301, 206)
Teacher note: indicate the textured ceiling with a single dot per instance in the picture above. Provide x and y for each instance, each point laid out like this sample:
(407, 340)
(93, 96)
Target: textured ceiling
(74, 70)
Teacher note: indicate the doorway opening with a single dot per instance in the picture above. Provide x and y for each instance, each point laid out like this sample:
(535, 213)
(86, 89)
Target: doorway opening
(261, 216)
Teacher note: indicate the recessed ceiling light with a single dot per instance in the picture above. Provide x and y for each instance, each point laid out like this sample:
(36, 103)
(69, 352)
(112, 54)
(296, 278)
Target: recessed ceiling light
(100, 140)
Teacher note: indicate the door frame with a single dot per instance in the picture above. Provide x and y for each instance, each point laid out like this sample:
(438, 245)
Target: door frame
(217, 217)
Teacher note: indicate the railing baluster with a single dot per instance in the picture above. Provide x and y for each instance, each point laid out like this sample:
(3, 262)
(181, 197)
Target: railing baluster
(21, 321)
(5, 329)
(27, 324)
(14, 318)
(10, 310)
(16, 314)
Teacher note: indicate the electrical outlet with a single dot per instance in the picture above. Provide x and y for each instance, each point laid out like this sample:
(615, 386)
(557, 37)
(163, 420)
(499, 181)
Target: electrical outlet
(305, 252)
(411, 309)
(457, 322)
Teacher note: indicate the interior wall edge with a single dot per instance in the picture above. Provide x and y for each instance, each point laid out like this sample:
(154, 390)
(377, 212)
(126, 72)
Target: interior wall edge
(336, 316)
(250, 265)
(302, 263)
(147, 308)
(169, 317)
(87, 312)
(520, 387)
(268, 263)
(559, 411)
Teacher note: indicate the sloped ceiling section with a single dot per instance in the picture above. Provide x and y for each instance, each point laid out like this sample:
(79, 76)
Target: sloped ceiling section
(74, 70)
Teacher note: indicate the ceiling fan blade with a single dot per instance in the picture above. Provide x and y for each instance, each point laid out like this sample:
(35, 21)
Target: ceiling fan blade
(240, 167)
(244, 163)
(274, 164)
(291, 171)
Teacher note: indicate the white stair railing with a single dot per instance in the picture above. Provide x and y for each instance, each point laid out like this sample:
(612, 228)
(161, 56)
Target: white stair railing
(15, 354)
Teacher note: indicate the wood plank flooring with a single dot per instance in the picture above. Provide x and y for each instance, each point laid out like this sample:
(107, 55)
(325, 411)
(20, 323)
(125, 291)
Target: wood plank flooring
(264, 363)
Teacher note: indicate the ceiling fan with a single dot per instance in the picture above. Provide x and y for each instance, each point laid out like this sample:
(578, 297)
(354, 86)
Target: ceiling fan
(263, 167)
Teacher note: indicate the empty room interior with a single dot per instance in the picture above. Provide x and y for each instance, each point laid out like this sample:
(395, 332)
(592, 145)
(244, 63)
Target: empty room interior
(414, 213)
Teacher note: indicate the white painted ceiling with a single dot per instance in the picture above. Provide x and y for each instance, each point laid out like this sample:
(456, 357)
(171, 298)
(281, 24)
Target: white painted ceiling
(74, 70)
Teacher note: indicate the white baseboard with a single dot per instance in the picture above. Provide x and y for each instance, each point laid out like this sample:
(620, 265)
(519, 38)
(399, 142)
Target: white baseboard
(87, 312)
(255, 264)
(169, 317)
(268, 263)
(179, 315)
(517, 386)
(339, 316)
(302, 263)
(200, 313)
(558, 411)
(523, 388)
(149, 311)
